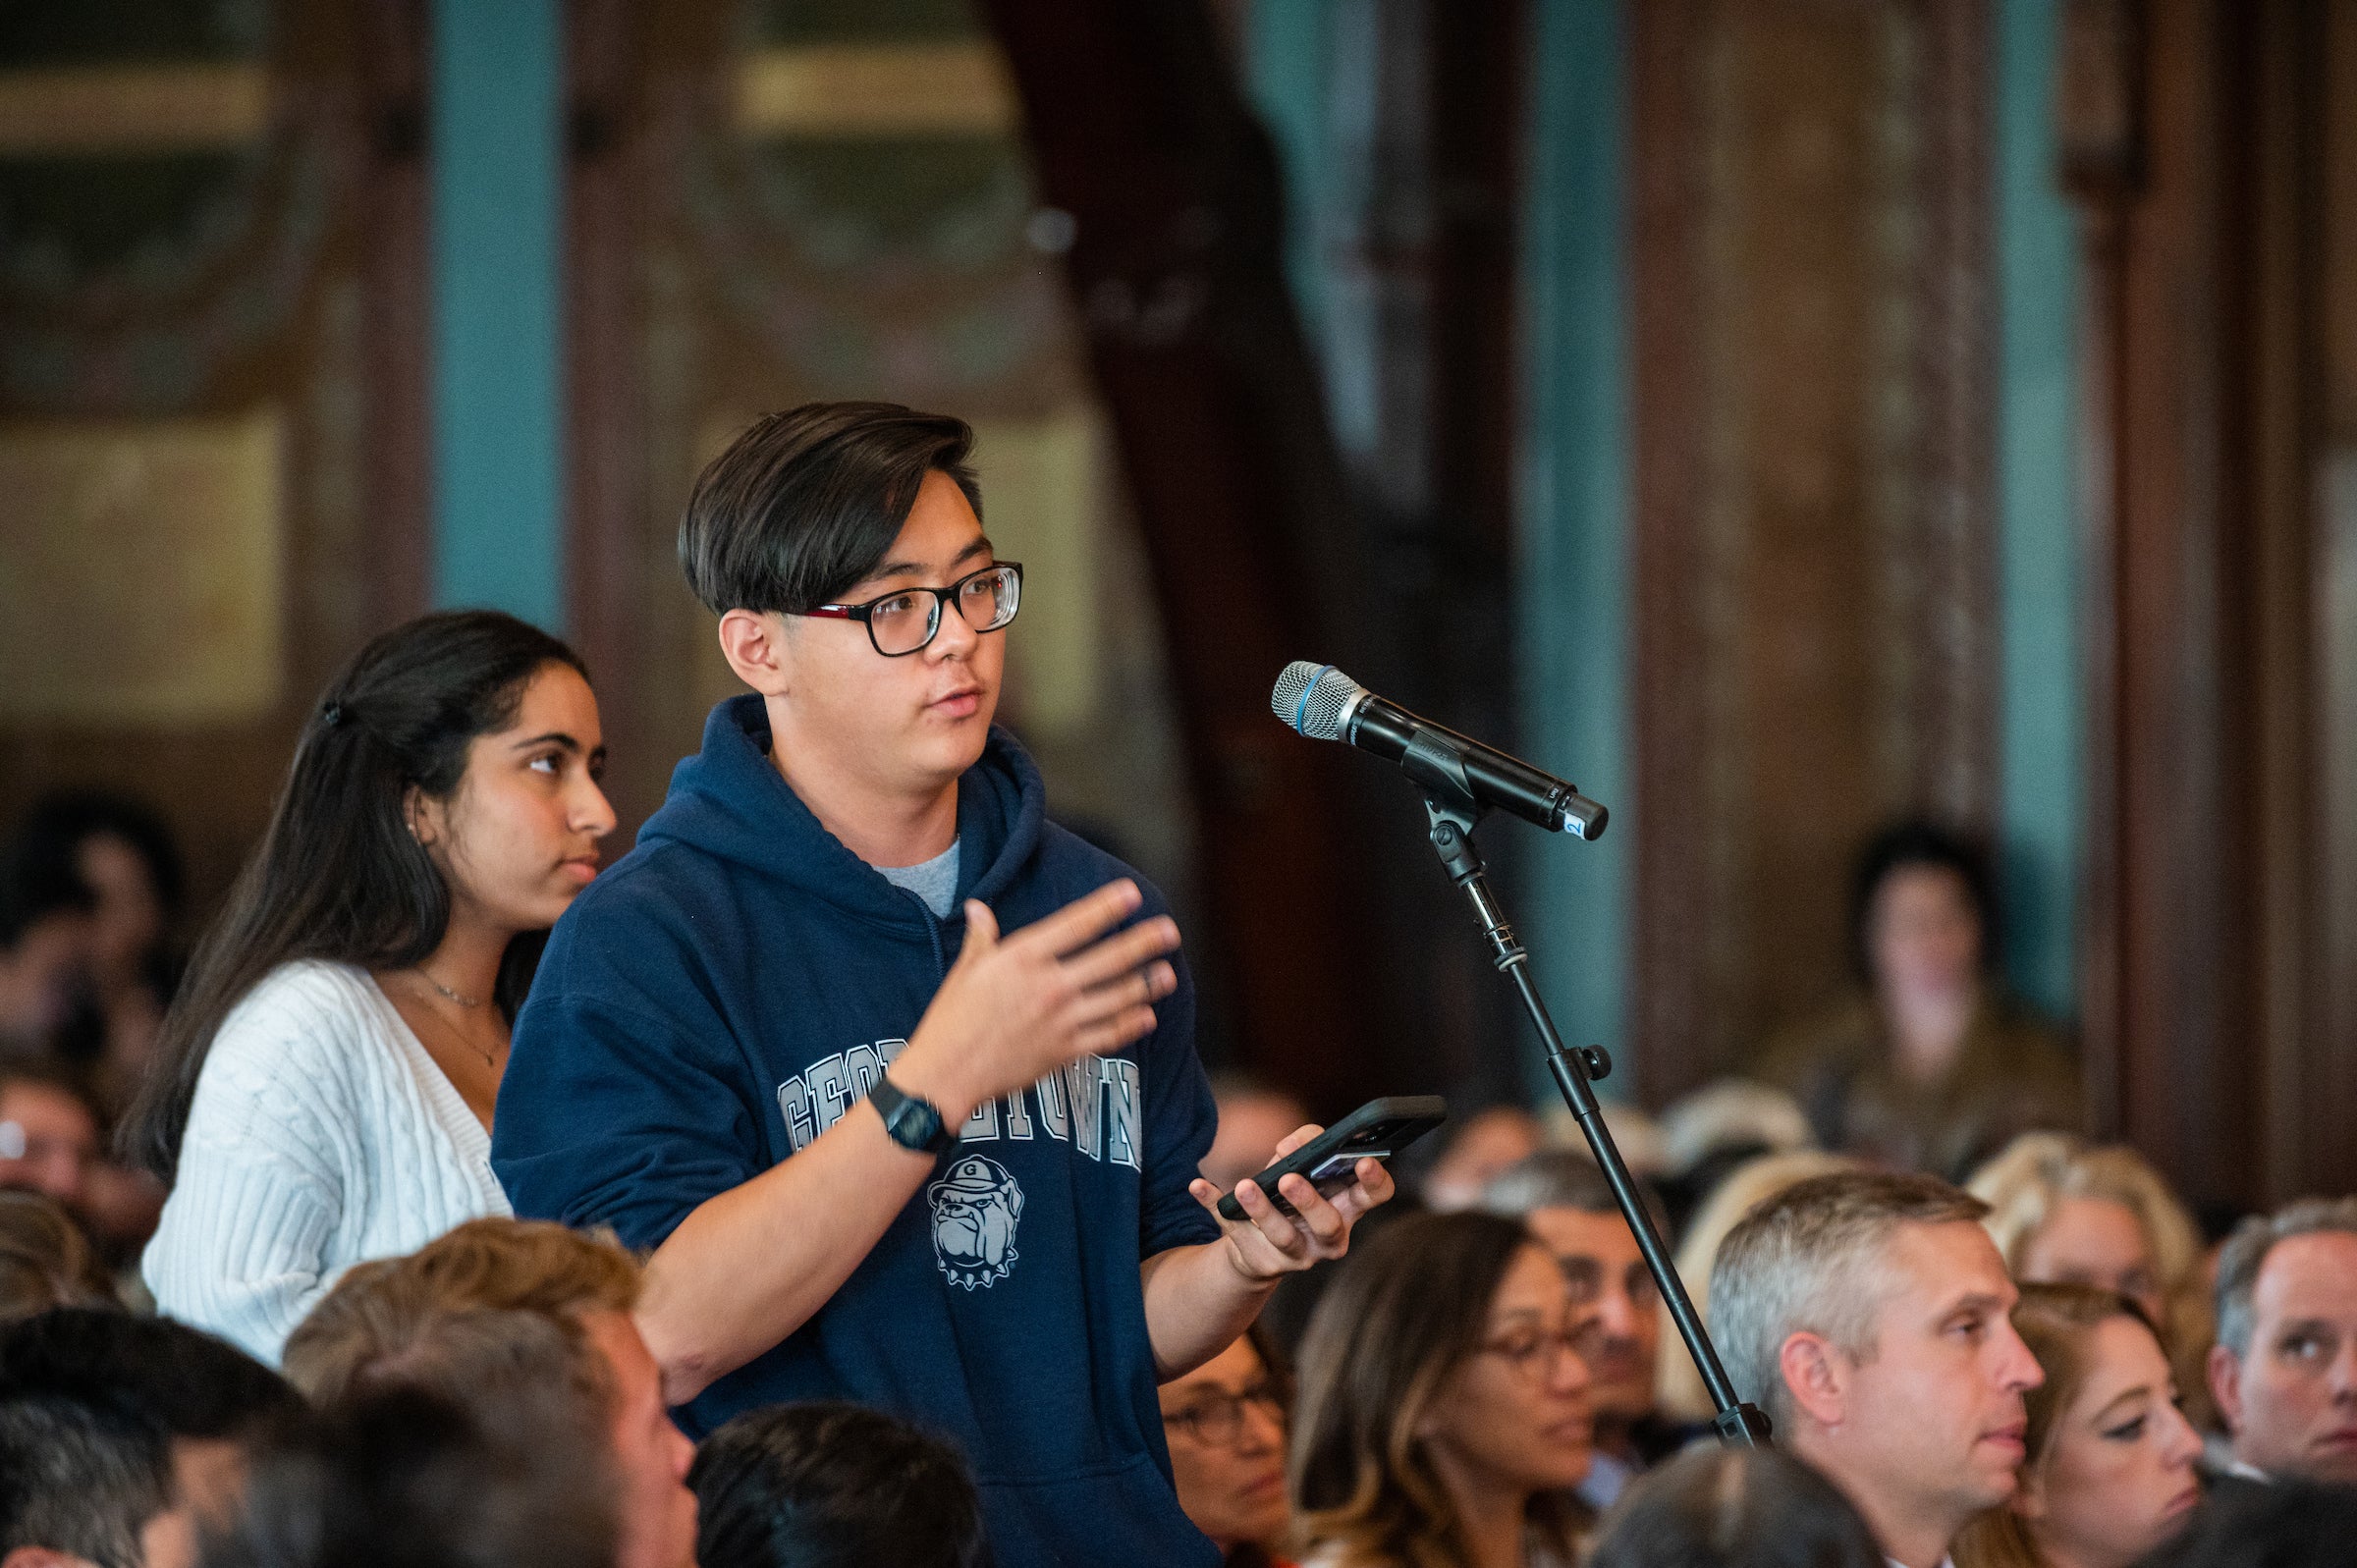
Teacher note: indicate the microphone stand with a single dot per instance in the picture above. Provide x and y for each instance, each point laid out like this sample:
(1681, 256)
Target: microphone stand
(1449, 805)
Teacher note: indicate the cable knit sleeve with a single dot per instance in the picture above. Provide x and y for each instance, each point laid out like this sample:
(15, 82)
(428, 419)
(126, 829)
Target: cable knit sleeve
(243, 1247)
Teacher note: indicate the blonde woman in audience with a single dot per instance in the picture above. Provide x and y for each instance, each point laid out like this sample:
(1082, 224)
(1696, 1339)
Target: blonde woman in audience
(324, 1081)
(1225, 1422)
(1443, 1407)
(2107, 1473)
(1682, 1400)
(2065, 1212)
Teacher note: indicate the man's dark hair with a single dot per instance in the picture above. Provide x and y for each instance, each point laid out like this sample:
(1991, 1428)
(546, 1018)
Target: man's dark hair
(1735, 1508)
(189, 1383)
(403, 1478)
(80, 1475)
(59, 825)
(831, 1486)
(805, 504)
(91, 1400)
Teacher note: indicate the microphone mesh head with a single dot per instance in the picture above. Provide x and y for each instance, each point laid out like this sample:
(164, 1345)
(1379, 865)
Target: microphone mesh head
(1310, 698)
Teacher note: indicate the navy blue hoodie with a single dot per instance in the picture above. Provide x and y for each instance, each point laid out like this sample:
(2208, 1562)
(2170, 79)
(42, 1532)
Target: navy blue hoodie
(729, 989)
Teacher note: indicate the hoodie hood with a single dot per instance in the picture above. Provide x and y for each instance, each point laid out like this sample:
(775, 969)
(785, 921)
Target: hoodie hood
(730, 801)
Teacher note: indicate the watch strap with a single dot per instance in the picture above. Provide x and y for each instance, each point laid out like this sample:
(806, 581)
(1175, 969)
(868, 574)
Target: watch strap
(912, 1121)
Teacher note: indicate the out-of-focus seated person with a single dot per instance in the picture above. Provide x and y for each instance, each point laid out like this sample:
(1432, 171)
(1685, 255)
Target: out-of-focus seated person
(2065, 1212)
(1929, 1064)
(2284, 1369)
(1473, 1152)
(47, 926)
(1719, 1508)
(1254, 1119)
(51, 1143)
(1562, 1195)
(46, 1260)
(813, 1485)
(1225, 1422)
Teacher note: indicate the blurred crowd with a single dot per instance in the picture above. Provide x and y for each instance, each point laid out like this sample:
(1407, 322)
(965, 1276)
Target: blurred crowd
(1981, 1338)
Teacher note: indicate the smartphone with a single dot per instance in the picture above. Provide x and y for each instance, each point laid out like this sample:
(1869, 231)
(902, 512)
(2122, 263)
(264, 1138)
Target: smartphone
(1376, 1130)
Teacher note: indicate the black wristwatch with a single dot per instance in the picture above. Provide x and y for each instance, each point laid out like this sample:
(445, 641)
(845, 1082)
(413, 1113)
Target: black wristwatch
(914, 1124)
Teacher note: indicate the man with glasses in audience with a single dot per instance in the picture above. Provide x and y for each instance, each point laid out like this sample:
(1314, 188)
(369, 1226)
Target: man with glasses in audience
(1565, 1199)
(895, 1078)
(2284, 1369)
(1869, 1316)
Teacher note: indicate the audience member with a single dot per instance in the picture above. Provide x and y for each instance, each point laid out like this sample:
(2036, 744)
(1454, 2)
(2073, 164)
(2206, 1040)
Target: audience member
(1563, 1197)
(48, 1135)
(405, 1478)
(1867, 1315)
(1443, 1407)
(2288, 1525)
(324, 1081)
(1680, 1399)
(833, 1486)
(1735, 1508)
(1225, 1422)
(122, 1438)
(2110, 1470)
(2063, 1212)
(1929, 1066)
(1715, 1131)
(123, 854)
(2284, 1369)
(46, 1260)
(488, 1314)
(1254, 1117)
(1475, 1152)
(47, 928)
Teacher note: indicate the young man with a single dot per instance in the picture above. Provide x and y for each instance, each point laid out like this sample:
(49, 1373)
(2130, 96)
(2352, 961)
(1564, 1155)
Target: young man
(123, 1439)
(1565, 1199)
(1867, 1315)
(868, 1052)
(521, 1326)
(2285, 1368)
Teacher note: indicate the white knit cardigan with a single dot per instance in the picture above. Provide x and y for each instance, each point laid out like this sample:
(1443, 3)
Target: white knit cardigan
(322, 1135)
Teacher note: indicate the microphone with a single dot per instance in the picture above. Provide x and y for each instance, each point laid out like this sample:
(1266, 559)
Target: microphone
(1324, 704)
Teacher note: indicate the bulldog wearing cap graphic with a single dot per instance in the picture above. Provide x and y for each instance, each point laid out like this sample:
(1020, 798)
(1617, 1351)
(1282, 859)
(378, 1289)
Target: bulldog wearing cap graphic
(974, 1209)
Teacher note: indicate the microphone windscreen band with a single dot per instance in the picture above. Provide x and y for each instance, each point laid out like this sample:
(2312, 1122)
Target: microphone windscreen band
(1312, 699)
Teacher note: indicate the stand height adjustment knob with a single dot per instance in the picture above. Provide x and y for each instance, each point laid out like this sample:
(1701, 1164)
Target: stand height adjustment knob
(1596, 1059)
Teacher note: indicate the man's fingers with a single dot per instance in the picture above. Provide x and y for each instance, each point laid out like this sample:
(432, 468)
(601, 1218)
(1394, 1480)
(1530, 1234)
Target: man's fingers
(1083, 920)
(1141, 988)
(981, 930)
(1123, 951)
(1112, 1034)
(1296, 1138)
(1324, 1223)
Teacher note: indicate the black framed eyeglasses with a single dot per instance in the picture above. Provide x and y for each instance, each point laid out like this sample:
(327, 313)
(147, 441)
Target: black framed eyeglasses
(1216, 1420)
(906, 619)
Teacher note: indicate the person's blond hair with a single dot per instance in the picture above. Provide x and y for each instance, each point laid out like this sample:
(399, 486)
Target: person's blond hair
(1809, 1261)
(1679, 1394)
(2025, 1183)
(495, 1301)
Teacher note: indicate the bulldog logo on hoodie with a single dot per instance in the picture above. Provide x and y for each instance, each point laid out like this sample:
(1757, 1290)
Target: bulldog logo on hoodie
(974, 1211)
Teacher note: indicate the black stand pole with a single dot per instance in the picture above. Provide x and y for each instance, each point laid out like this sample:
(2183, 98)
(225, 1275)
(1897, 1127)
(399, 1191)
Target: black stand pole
(1449, 805)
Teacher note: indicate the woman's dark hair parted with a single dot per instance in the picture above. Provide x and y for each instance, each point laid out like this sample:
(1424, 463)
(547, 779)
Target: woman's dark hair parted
(339, 876)
(805, 504)
(831, 1486)
(1919, 843)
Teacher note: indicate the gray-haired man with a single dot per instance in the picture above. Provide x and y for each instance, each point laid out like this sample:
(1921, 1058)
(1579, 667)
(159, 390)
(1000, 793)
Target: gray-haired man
(2285, 1368)
(1867, 1314)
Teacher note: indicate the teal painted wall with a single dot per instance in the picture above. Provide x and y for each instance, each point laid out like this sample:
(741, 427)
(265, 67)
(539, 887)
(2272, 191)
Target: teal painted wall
(497, 307)
(2042, 712)
(1573, 571)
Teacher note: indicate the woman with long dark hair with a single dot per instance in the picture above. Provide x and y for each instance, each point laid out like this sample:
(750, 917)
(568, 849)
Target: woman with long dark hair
(323, 1084)
(1443, 1417)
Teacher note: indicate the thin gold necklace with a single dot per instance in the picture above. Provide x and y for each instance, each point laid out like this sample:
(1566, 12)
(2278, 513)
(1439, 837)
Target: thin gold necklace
(489, 1061)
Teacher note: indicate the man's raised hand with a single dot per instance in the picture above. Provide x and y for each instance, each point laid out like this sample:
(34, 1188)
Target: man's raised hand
(1014, 1009)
